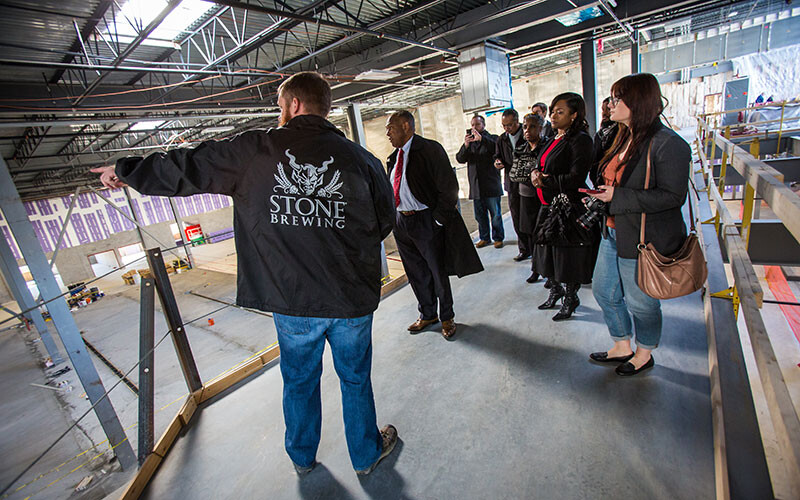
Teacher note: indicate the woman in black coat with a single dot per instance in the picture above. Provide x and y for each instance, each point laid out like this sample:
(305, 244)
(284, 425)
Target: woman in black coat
(636, 105)
(564, 252)
(527, 152)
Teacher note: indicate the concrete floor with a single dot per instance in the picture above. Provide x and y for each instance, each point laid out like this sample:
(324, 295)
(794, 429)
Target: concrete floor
(510, 409)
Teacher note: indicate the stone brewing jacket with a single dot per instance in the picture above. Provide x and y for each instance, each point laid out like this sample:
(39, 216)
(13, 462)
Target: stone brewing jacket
(310, 211)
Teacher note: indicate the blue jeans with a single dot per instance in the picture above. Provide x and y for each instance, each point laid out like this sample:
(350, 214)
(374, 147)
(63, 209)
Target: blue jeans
(491, 205)
(302, 341)
(615, 288)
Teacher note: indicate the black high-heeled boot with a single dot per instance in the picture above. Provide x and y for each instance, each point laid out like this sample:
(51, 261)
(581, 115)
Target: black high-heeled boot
(556, 292)
(571, 302)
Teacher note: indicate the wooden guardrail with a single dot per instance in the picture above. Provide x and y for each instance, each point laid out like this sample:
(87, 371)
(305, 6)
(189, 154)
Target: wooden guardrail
(766, 183)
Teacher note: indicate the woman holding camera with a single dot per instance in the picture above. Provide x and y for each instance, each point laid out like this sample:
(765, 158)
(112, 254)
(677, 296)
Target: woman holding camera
(525, 157)
(636, 104)
(563, 251)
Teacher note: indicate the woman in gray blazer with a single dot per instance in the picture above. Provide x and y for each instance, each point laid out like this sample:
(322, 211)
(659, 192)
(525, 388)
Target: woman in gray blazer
(636, 105)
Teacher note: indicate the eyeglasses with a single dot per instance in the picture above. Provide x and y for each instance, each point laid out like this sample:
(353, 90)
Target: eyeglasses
(614, 101)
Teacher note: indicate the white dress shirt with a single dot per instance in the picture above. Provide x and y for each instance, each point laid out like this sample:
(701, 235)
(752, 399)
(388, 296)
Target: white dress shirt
(407, 200)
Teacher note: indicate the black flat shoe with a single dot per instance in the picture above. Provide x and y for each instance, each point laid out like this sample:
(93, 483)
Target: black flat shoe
(522, 256)
(627, 369)
(533, 278)
(602, 357)
(548, 284)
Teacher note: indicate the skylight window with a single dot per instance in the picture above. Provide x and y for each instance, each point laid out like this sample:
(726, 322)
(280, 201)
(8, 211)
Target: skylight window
(579, 17)
(146, 125)
(142, 12)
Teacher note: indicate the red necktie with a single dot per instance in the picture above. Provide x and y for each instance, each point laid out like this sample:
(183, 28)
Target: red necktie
(398, 176)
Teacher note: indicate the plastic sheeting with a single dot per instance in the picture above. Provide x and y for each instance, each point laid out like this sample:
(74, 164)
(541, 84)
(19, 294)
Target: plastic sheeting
(775, 73)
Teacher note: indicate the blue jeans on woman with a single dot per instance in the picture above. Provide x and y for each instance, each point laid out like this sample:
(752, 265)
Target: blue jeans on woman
(491, 205)
(302, 342)
(615, 288)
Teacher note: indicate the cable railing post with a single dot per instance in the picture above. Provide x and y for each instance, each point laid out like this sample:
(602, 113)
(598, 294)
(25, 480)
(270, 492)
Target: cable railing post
(156, 261)
(146, 365)
(780, 130)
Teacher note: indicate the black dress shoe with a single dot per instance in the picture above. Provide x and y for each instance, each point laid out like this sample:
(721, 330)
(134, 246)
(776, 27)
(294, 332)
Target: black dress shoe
(548, 284)
(533, 278)
(602, 357)
(627, 369)
(522, 256)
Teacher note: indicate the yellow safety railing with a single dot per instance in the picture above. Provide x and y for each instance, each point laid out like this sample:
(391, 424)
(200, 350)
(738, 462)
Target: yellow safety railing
(715, 116)
(766, 183)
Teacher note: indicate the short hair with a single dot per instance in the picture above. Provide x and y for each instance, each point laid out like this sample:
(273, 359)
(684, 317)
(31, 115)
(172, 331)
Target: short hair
(511, 112)
(541, 106)
(482, 119)
(405, 116)
(311, 89)
(537, 120)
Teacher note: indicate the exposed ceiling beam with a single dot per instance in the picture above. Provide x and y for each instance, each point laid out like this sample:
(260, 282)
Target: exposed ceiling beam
(140, 37)
(98, 14)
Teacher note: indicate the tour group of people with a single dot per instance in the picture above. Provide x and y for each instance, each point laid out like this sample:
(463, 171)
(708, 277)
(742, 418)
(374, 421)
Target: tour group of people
(311, 209)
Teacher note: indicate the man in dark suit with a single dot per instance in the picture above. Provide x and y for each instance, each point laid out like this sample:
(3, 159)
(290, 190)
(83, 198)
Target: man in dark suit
(431, 236)
(540, 109)
(509, 140)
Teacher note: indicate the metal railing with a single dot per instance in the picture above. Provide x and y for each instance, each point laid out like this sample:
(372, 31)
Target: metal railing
(764, 182)
(712, 121)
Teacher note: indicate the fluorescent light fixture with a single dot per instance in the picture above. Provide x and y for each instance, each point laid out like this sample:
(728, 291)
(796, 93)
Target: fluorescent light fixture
(580, 16)
(138, 126)
(171, 27)
(733, 14)
(377, 75)
(217, 130)
(562, 61)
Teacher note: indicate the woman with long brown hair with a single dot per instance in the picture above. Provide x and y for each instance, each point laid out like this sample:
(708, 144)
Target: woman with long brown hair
(564, 254)
(636, 104)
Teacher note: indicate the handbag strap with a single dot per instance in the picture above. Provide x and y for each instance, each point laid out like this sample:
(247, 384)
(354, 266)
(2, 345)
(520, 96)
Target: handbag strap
(646, 184)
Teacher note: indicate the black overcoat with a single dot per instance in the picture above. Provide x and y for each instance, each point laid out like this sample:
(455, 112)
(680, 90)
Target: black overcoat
(433, 182)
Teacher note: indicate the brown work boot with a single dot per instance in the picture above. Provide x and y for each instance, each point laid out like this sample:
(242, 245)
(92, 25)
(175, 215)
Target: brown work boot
(448, 328)
(420, 324)
(388, 440)
(481, 243)
(498, 244)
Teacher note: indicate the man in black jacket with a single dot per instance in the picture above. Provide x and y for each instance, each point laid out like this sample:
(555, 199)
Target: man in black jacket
(485, 188)
(503, 158)
(310, 211)
(430, 233)
(540, 109)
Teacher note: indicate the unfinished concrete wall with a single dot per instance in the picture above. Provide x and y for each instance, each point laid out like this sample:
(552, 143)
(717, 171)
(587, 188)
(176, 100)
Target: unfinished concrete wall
(211, 222)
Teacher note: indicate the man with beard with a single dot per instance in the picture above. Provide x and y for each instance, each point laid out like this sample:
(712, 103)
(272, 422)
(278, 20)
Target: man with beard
(310, 211)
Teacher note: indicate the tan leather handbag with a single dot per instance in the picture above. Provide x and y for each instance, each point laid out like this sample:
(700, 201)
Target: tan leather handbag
(676, 275)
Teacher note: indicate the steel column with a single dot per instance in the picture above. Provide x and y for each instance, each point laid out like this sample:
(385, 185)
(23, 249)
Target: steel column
(186, 244)
(173, 316)
(635, 56)
(146, 366)
(18, 288)
(21, 227)
(136, 220)
(589, 79)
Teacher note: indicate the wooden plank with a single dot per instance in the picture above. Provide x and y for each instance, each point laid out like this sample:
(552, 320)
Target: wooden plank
(139, 482)
(743, 271)
(394, 285)
(781, 408)
(273, 353)
(188, 409)
(169, 436)
(231, 378)
(739, 461)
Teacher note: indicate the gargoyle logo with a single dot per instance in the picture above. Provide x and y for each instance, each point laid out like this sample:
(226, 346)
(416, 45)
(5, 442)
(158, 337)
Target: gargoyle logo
(307, 179)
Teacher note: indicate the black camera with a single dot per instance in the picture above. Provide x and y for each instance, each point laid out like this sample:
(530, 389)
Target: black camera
(595, 209)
